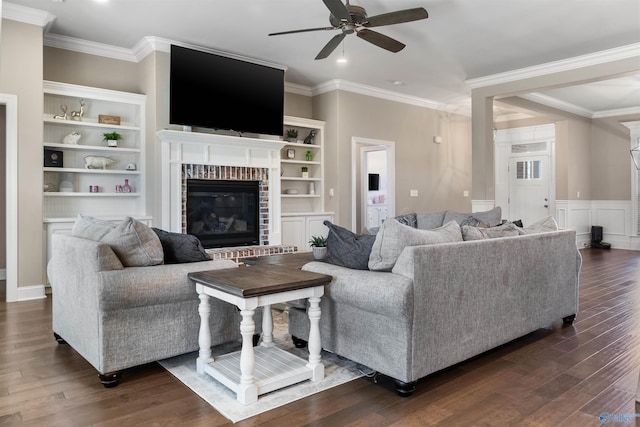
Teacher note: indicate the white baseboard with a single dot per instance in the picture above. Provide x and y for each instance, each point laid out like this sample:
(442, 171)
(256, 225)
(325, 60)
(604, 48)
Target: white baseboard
(3, 274)
(26, 293)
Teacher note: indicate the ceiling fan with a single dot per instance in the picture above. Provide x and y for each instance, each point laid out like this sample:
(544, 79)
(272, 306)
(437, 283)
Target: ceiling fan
(349, 19)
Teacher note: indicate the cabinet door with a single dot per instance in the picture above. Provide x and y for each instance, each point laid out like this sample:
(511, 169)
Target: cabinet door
(315, 226)
(293, 232)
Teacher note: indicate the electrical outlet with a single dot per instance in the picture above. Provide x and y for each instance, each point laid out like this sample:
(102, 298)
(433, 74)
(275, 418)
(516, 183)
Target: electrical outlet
(413, 193)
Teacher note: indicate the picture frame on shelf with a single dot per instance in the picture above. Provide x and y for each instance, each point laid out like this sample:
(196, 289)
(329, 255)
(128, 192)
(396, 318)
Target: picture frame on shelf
(108, 120)
(53, 158)
(291, 153)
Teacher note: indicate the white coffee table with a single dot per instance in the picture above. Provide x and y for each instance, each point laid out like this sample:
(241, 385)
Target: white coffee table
(251, 372)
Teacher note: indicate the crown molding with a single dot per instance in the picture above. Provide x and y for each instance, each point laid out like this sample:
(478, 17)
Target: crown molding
(298, 89)
(348, 86)
(26, 15)
(575, 109)
(89, 47)
(596, 58)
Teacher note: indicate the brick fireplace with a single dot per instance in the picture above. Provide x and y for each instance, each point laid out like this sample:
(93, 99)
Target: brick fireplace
(188, 155)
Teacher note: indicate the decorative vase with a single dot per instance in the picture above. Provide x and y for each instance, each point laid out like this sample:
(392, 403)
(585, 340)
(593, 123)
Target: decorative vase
(126, 188)
(319, 252)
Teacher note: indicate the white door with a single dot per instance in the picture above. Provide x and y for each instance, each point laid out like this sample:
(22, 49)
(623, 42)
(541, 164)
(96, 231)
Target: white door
(529, 182)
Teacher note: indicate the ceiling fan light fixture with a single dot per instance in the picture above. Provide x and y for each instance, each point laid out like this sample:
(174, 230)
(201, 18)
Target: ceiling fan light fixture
(342, 60)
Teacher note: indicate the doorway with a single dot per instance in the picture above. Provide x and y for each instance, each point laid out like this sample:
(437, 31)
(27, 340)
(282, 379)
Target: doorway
(9, 145)
(525, 172)
(373, 182)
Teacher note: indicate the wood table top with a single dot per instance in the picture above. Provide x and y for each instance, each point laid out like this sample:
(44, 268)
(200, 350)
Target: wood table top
(252, 281)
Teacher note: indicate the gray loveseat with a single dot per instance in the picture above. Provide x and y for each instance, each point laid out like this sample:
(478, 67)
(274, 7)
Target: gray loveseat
(117, 317)
(443, 303)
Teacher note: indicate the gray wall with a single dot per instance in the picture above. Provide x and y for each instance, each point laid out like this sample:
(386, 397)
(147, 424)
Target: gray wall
(440, 172)
(21, 75)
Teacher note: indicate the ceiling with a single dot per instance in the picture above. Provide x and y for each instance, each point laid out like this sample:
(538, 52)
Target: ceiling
(461, 40)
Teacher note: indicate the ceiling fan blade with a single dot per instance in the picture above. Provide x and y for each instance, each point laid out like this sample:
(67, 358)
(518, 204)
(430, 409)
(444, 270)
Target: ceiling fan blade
(330, 47)
(306, 30)
(381, 40)
(338, 9)
(397, 17)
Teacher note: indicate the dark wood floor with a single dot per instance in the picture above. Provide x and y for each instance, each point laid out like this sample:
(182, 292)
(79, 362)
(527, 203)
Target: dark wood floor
(557, 376)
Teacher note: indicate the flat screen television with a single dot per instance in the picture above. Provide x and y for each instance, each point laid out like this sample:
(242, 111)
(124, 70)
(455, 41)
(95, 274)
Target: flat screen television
(217, 92)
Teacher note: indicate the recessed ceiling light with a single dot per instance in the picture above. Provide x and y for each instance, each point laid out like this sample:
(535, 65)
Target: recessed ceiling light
(341, 60)
(397, 83)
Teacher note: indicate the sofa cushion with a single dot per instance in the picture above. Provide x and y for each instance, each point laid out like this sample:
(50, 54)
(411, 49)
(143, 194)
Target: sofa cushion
(492, 217)
(135, 244)
(480, 233)
(179, 248)
(430, 220)
(543, 225)
(393, 237)
(347, 249)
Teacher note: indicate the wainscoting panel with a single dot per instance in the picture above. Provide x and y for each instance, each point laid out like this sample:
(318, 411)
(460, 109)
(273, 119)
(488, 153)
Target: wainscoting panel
(614, 216)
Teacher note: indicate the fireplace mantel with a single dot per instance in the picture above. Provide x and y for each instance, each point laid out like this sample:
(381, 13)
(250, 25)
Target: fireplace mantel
(179, 148)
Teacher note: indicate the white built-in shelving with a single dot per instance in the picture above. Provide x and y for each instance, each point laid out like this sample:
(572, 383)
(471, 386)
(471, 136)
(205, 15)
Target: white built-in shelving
(303, 206)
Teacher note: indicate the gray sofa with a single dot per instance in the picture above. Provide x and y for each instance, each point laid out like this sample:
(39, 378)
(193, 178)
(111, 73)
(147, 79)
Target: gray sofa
(443, 303)
(118, 317)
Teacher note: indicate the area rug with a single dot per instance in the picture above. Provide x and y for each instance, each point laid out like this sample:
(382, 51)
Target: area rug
(337, 371)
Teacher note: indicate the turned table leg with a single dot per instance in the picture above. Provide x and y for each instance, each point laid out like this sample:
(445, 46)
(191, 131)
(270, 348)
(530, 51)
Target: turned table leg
(247, 390)
(315, 346)
(204, 334)
(267, 327)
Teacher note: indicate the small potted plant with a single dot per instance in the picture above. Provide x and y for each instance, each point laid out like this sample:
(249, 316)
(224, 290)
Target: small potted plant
(112, 138)
(305, 172)
(318, 246)
(292, 135)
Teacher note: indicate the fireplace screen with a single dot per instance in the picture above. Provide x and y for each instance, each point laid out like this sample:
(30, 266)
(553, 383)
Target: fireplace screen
(223, 213)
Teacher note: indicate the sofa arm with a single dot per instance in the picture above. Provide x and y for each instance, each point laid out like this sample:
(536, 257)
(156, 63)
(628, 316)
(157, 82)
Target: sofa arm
(153, 285)
(372, 291)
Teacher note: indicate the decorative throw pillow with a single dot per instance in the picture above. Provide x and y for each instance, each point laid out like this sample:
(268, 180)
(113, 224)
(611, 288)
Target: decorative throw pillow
(474, 222)
(181, 248)
(135, 244)
(347, 249)
(492, 217)
(409, 219)
(393, 237)
(479, 233)
(542, 226)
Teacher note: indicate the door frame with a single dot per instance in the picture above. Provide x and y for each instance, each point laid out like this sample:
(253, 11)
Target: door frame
(504, 139)
(368, 143)
(11, 147)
